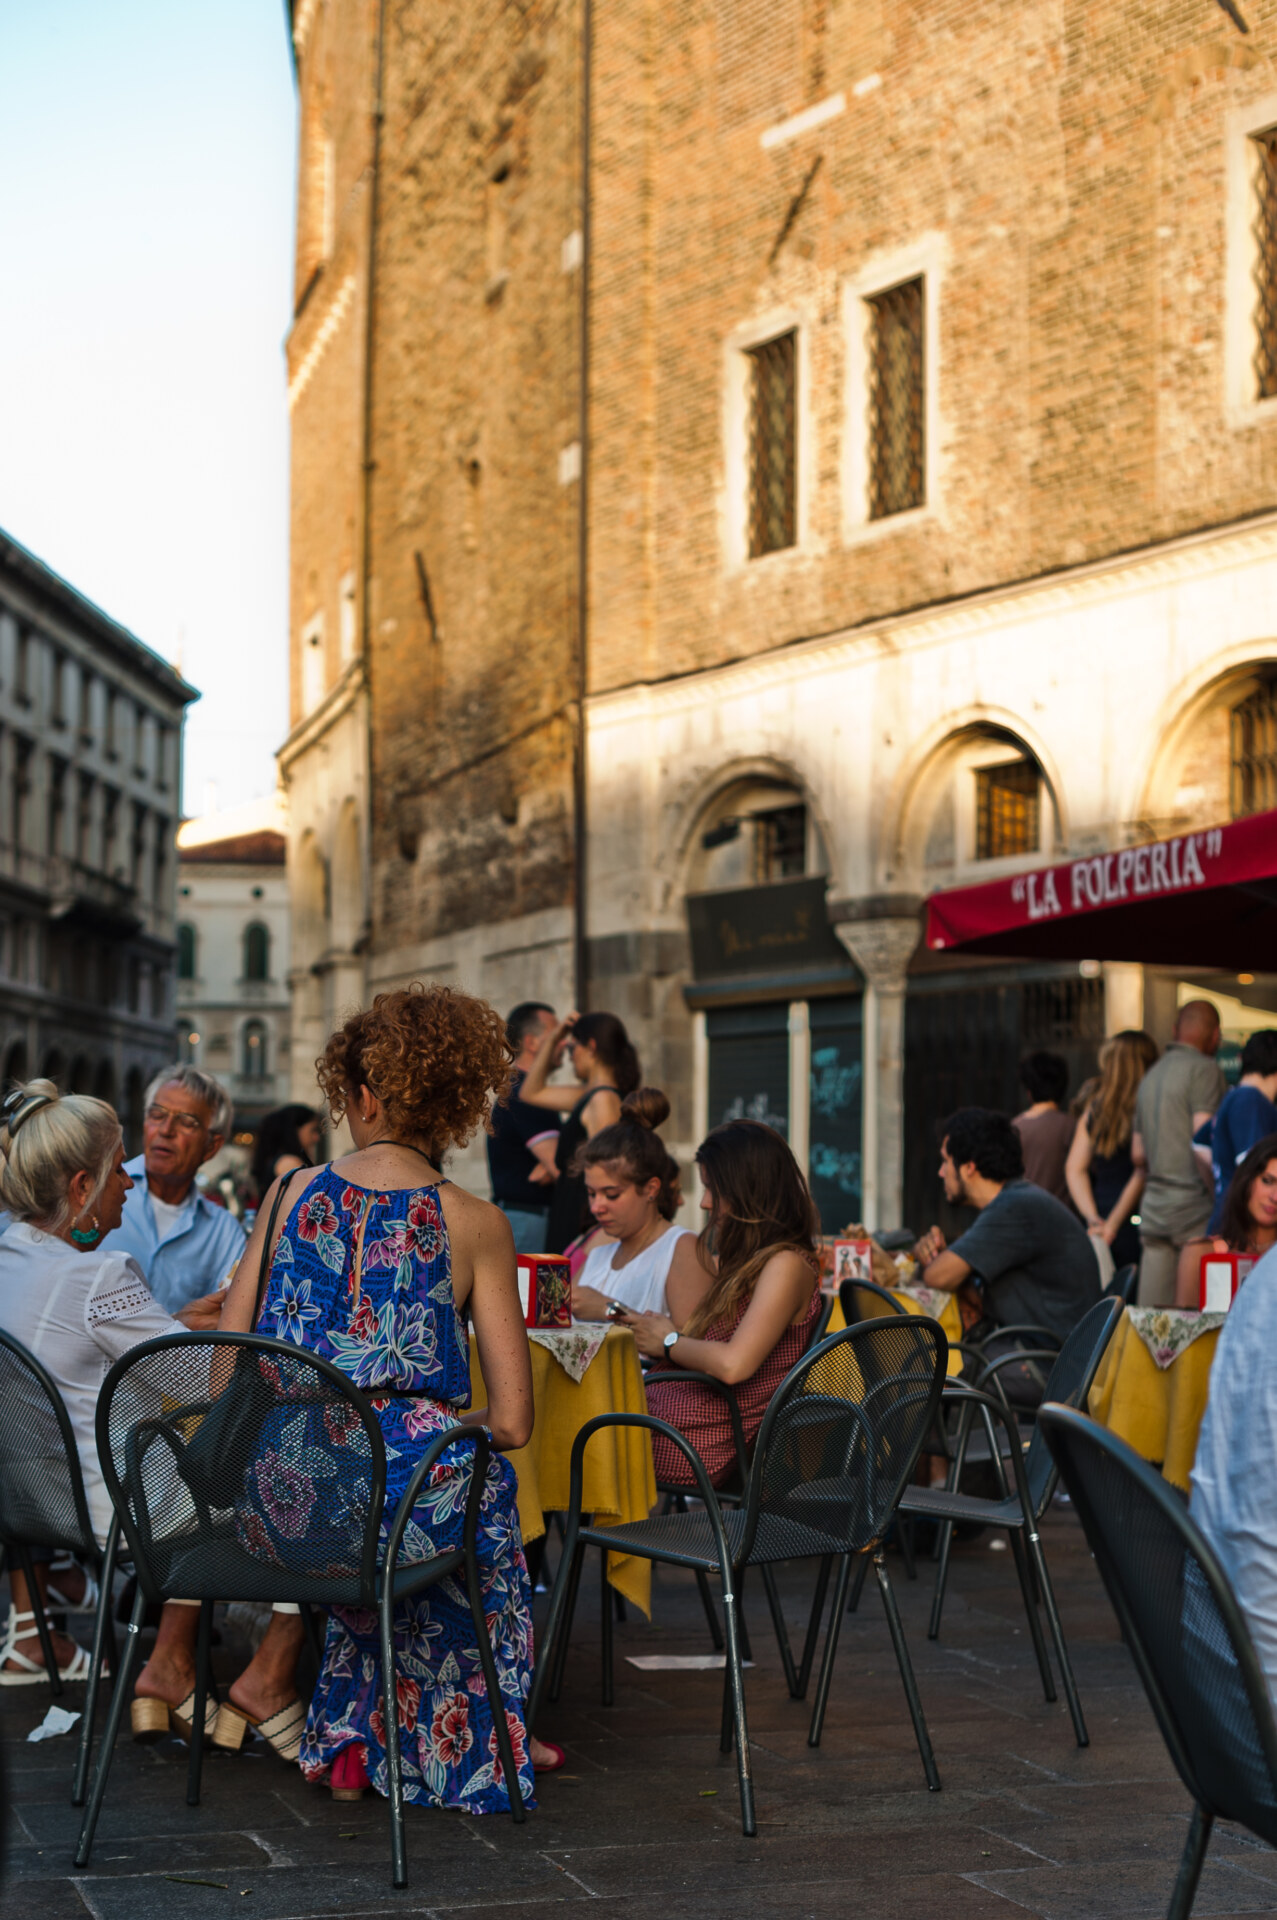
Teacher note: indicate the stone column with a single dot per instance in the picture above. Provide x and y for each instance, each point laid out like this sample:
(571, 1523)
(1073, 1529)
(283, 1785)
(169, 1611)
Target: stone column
(880, 936)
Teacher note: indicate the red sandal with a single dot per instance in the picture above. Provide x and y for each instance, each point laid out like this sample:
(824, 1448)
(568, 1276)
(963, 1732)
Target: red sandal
(551, 1766)
(348, 1775)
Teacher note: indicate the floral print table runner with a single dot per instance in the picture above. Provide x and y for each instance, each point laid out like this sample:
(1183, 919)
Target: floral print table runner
(1166, 1331)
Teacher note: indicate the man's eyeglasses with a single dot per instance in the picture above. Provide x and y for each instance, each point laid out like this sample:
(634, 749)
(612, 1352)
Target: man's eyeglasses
(183, 1122)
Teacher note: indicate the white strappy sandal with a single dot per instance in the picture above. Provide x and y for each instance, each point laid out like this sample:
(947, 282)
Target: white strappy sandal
(57, 1600)
(31, 1673)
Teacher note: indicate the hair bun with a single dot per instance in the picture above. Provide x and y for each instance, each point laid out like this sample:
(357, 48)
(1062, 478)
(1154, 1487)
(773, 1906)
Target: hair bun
(648, 1106)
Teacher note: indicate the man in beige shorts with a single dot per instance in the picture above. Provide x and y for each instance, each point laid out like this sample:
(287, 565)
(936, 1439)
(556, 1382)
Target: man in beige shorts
(1175, 1098)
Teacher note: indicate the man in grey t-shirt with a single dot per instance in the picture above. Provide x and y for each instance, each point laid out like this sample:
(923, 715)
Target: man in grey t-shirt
(1175, 1098)
(1030, 1259)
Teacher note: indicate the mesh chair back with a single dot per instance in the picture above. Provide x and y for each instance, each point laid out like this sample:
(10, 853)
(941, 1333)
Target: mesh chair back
(1072, 1374)
(42, 1499)
(243, 1467)
(1125, 1284)
(865, 1300)
(1178, 1613)
(843, 1433)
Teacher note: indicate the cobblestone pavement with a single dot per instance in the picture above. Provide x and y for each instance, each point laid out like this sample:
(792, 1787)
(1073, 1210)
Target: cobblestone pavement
(644, 1821)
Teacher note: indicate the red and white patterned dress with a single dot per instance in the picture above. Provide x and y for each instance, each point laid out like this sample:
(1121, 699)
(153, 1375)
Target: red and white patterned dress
(700, 1413)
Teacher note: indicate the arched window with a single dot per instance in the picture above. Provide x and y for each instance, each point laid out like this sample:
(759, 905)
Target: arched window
(255, 1065)
(256, 952)
(186, 951)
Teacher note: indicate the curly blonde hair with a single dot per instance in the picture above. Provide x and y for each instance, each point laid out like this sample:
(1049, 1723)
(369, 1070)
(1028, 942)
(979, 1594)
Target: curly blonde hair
(435, 1058)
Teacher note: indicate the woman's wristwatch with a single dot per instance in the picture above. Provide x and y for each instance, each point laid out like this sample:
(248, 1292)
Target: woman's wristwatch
(670, 1338)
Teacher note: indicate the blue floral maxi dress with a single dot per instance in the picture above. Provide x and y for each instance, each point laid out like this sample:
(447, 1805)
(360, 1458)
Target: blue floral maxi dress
(404, 1332)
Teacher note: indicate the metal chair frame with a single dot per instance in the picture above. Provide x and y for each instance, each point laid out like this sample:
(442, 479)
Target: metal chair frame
(1036, 1477)
(382, 1581)
(101, 1560)
(1063, 1428)
(731, 1547)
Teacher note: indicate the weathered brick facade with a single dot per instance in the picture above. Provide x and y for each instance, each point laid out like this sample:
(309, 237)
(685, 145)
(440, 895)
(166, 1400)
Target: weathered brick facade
(1071, 180)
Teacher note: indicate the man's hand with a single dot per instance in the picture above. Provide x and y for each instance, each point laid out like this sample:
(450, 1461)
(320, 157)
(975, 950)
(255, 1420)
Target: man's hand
(930, 1246)
(204, 1314)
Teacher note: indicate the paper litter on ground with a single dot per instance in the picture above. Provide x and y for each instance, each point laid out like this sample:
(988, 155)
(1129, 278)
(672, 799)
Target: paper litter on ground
(680, 1662)
(56, 1720)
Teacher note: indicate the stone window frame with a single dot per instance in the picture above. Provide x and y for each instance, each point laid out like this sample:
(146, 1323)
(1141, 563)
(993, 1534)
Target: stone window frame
(926, 259)
(737, 374)
(1242, 406)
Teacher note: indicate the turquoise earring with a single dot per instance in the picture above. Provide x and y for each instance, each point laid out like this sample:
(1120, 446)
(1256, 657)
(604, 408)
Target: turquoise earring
(89, 1237)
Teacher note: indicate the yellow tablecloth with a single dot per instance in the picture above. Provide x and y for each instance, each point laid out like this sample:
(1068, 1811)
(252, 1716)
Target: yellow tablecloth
(1156, 1410)
(950, 1322)
(619, 1478)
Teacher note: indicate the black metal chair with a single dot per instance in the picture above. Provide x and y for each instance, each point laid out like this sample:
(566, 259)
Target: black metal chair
(184, 1424)
(43, 1503)
(833, 1455)
(730, 1493)
(865, 1300)
(1125, 1284)
(1035, 1475)
(1190, 1644)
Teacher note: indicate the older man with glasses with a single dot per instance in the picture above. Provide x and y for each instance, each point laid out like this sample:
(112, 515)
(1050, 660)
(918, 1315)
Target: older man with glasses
(187, 1246)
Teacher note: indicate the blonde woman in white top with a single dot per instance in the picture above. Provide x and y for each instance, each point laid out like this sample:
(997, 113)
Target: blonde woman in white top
(74, 1307)
(649, 1265)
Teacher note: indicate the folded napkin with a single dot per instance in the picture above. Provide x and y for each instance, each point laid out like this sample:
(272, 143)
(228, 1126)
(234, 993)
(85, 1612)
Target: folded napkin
(1166, 1331)
(573, 1347)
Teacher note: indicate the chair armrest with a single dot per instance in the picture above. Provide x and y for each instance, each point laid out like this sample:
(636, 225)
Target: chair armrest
(1043, 1335)
(482, 1442)
(994, 1407)
(724, 1392)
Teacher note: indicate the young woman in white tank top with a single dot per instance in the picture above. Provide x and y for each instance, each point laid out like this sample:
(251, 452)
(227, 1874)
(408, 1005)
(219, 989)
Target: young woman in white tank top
(649, 1265)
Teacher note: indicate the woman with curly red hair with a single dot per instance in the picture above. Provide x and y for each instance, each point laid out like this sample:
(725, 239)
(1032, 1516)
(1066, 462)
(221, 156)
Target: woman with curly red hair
(378, 1265)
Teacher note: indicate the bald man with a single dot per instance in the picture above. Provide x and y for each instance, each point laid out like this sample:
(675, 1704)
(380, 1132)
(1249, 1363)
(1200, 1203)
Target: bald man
(1176, 1097)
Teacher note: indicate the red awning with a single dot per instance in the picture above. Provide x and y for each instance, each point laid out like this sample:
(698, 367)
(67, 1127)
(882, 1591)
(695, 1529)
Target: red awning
(1206, 899)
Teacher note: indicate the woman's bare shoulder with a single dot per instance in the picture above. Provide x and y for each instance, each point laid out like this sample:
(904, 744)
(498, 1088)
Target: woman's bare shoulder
(466, 1213)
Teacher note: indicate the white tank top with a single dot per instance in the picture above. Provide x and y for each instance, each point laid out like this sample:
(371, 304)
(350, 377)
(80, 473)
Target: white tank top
(640, 1284)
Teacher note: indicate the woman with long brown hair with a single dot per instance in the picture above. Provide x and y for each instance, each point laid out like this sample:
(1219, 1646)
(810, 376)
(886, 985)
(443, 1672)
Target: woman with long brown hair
(756, 1318)
(1247, 1222)
(1105, 1168)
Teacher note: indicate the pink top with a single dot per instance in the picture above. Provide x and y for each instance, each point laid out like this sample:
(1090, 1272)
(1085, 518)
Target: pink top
(701, 1415)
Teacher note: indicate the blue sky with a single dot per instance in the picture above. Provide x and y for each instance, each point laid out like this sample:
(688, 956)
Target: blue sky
(146, 212)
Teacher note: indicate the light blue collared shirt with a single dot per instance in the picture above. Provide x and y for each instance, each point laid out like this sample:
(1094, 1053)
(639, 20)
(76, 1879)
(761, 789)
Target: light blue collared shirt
(195, 1255)
(1234, 1497)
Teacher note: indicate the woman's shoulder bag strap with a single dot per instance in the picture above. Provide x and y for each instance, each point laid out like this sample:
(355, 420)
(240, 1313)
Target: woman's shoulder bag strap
(263, 1271)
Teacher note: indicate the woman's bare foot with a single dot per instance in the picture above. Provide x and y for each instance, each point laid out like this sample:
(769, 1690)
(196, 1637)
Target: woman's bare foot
(64, 1651)
(269, 1681)
(166, 1676)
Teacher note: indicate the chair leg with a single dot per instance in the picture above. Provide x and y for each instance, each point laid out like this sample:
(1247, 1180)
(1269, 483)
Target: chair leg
(742, 1624)
(942, 1579)
(314, 1633)
(390, 1706)
(101, 1633)
(120, 1694)
(782, 1637)
(1038, 1562)
(608, 1677)
(904, 1540)
(569, 1571)
(203, 1656)
(711, 1612)
(831, 1648)
(41, 1619)
(858, 1584)
(1024, 1572)
(813, 1626)
(736, 1681)
(501, 1725)
(905, 1665)
(1191, 1862)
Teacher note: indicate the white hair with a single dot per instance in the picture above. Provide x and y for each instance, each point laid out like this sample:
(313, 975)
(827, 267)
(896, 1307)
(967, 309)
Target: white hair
(204, 1087)
(48, 1138)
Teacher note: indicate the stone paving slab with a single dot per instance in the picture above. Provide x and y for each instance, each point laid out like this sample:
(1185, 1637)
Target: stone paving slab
(644, 1822)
